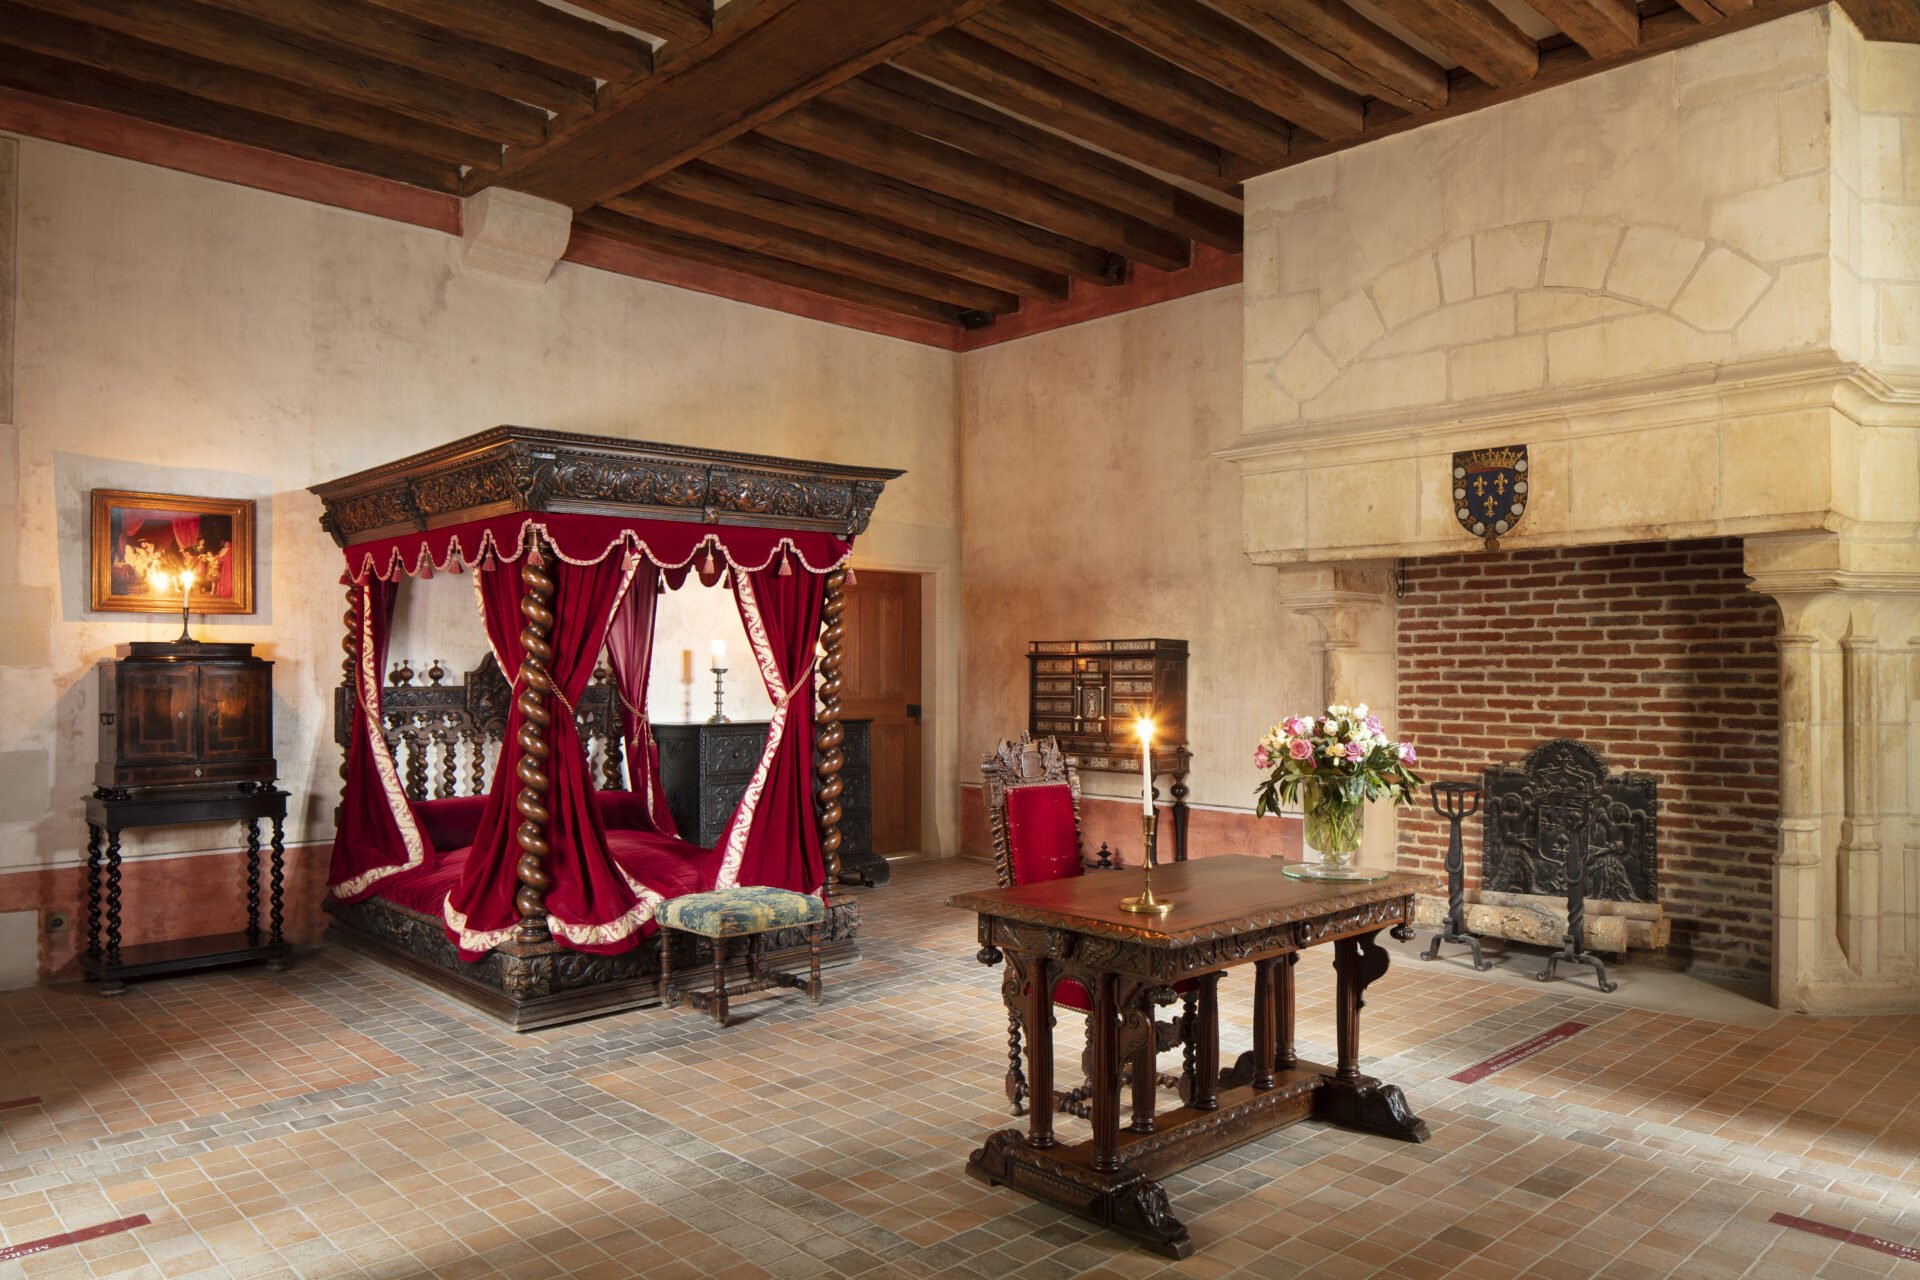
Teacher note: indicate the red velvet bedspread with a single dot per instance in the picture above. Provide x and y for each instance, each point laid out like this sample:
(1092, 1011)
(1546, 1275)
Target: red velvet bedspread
(665, 864)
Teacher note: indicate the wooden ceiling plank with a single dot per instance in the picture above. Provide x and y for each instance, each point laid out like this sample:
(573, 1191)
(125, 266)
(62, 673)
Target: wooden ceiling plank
(877, 195)
(887, 94)
(663, 208)
(1702, 10)
(710, 185)
(1602, 27)
(1484, 39)
(632, 231)
(240, 41)
(1347, 46)
(676, 21)
(1122, 71)
(424, 47)
(1216, 48)
(23, 28)
(1883, 19)
(538, 30)
(795, 51)
(69, 82)
(835, 132)
(972, 66)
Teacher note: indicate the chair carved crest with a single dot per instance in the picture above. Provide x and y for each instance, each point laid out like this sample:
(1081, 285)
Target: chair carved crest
(1019, 762)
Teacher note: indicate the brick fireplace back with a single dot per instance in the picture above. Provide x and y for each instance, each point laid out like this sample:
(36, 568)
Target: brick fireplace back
(1655, 653)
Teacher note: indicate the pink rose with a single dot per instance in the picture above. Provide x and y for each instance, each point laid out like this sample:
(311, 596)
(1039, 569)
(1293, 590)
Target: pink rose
(1297, 727)
(1373, 725)
(1300, 749)
(1407, 753)
(1261, 760)
(1356, 752)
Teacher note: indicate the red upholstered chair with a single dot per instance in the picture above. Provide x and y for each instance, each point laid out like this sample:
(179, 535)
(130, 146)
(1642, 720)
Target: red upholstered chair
(1033, 811)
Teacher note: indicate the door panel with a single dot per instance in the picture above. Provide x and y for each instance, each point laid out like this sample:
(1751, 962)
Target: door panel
(881, 675)
(157, 713)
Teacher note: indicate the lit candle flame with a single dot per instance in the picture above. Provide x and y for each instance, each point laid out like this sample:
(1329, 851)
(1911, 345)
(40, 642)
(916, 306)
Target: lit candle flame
(1143, 729)
(719, 652)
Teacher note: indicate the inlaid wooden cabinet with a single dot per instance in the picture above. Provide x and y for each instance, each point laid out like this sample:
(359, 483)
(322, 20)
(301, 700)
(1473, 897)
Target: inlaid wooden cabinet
(1088, 693)
(185, 716)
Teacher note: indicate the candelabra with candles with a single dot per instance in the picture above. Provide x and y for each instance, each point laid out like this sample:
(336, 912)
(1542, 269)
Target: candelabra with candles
(719, 715)
(1144, 903)
(163, 582)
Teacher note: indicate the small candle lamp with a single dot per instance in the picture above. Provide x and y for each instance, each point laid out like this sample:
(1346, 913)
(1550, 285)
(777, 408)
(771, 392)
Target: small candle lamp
(719, 715)
(1144, 903)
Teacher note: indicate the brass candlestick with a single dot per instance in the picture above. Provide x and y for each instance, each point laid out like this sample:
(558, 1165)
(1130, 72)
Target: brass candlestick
(1145, 904)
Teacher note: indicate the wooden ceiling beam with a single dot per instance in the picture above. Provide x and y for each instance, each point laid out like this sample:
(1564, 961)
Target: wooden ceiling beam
(1216, 48)
(1885, 19)
(974, 67)
(675, 21)
(1484, 39)
(878, 196)
(411, 43)
(240, 41)
(1346, 46)
(632, 231)
(1603, 28)
(832, 131)
(660, 208)
(713, 186)
(775, 60)
(69, 82)
(537, 30)
(887, 94)
(75, 42)
(1122, 71)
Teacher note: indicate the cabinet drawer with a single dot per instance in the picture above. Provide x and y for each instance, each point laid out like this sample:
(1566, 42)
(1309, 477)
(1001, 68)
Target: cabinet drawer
(1053, 706)
(1133, 666)
(1093, 666)
(1122, 688)
(733, 752)
(1053, 726)
(1053, 686)
(1053, 666)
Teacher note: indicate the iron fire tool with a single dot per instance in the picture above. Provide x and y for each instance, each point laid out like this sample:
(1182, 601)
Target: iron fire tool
(1456, 802)
(1576, 921)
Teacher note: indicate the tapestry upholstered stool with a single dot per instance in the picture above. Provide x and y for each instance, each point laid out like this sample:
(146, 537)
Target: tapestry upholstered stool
(725, 914)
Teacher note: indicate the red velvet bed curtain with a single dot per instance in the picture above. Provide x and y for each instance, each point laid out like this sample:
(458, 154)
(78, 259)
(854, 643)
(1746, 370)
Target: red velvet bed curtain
(591, 905)
(376, 835)
(630, 653)
(773, 837)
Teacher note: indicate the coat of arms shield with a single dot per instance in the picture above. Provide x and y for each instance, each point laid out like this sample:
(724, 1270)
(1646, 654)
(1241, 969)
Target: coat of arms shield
(1490, 491)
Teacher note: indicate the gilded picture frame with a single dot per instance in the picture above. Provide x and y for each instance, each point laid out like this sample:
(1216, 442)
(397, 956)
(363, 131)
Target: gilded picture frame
(135, 534)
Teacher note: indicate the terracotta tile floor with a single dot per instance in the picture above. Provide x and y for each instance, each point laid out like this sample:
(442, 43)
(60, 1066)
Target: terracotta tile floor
(337, 1121)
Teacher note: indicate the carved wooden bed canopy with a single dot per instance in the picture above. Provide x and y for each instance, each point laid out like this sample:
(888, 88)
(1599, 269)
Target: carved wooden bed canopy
(533, 902)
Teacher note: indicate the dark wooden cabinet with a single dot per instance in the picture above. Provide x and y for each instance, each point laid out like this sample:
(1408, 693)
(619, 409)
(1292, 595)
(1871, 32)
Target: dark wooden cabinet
(1087, 694)
(195, 716)
(705, 768)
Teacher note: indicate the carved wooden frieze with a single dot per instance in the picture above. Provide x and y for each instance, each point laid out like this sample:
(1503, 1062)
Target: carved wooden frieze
(520, 469)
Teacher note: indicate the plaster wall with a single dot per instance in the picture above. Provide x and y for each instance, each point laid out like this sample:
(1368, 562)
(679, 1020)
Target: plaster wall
(1091, 507)
(183, 335)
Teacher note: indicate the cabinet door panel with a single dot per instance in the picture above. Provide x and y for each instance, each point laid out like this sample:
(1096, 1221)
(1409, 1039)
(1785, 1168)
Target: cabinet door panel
(236, 713)
(156, 714)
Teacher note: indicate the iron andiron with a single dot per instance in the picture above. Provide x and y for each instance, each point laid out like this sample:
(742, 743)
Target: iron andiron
(1456, 802)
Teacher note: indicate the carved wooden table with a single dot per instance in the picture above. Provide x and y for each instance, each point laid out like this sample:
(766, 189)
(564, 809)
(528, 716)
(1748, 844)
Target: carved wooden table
(1229, 910)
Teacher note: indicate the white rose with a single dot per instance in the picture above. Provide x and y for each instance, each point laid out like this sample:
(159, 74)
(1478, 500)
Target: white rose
(1360, 712)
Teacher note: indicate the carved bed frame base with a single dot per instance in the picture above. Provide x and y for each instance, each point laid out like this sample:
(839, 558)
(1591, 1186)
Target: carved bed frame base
(526, 986)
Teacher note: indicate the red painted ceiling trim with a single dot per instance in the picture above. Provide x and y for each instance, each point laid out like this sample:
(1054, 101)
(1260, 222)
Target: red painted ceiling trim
(93, 129)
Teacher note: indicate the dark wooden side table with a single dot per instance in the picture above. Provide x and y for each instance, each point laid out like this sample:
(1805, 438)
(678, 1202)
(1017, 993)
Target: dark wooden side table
(109, 814)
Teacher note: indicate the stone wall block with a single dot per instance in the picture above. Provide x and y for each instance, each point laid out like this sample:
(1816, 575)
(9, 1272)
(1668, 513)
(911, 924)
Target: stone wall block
(1889, 241)
(1889, 80)
(1456, 269)
(1635, 345)
(1263, 403)
(1803, 112)
(1754, 60)
(1900, 324)
(1772, 224)
(1882, 175)
(1274, 324)
(1349, 327)
(1508, 258)
(1399, 382)
(1721, 292)
(1306, 370)
(1540, 309)
(1410, 289)
(1910, 156)
(1579, 251)
(1505, 367)
(1652, 264)
(1792, 314)
(1477, 321)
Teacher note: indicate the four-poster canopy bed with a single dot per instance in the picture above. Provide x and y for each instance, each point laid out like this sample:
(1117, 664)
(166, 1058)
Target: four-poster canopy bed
(535, 903)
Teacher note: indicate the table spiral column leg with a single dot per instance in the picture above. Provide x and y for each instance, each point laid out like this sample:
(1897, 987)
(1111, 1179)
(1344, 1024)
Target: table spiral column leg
(93, 890)
(253, 882)
(536, 611)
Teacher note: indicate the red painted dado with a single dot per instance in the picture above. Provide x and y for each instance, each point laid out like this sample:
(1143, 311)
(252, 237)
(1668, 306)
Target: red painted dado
(1655, 653)
(133, 139)
(167, 898)
(1209, 831)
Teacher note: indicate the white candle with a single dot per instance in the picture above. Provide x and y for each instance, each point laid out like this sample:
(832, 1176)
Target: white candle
(1144, 727)
(719, 652)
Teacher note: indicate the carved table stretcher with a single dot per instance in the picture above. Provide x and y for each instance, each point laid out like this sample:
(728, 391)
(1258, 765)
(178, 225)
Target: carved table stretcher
(1229, 910)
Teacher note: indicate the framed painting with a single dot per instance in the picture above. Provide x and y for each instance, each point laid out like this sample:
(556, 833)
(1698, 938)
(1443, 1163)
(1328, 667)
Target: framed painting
(143, 541)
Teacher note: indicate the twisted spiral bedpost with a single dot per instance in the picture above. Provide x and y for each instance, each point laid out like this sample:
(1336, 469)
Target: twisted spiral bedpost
(828, 732)
(534, 683)
(349, 663)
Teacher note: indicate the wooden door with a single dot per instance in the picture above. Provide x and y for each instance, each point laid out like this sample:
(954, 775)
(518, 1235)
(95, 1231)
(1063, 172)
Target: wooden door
(881, 678)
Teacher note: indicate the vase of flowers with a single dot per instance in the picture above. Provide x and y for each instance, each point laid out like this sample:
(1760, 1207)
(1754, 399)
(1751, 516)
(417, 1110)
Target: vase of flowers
(1330, 766)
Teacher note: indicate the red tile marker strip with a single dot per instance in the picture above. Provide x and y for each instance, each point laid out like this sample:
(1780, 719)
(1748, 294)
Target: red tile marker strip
(11, 1103)
(9, 1252)
(1907, 1251)
(1525, 1049)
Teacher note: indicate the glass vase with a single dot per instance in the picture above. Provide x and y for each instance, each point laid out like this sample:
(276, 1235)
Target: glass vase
(1330, 835)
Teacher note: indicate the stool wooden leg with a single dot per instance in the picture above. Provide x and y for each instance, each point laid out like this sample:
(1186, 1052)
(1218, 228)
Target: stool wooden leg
(814, 989)
(666, 968)
(719, 982)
